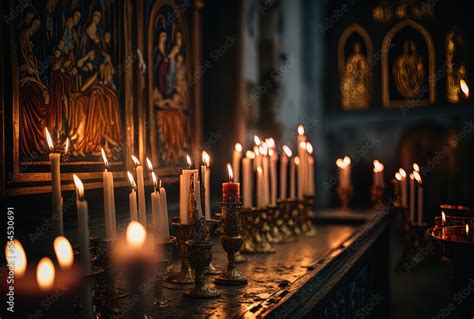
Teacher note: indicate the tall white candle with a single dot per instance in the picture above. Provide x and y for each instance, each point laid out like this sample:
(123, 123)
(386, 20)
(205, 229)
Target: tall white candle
(344, 166)
(412, 199)
(260, 192)
(132, 198)
(273, 177)
(184, 181)
(266, 174)
(293, 168)
(236, 156)
(419, 197)
(302, 174)
(309, 170)
(55, 160)
(141, 192)
(286, 154)
(258, 157)
(403, 187)
(155, 208)
(163, 221)
(378, 173)
(109, 201)
(206, 175)
(247, 179)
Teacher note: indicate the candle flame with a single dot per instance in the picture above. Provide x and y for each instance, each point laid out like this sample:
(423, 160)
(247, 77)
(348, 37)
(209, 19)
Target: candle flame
(66, 148)
(149, 164)
(135, 160)
(131, 180)
(16, 258)
(49, 139)
(188, 160)
(79, 186)
(257, 140)
(402, 172)
(303, 145)
(270, 142)
(238, 147)
(416, 167)
(417, 177)
(270, 152)
(398, 176)
(136, 234)
(63, 251)
(104, 157)
(464, 87)
(300, 130)
(378, 166)
(443, 219)
(250, 154)
(206, 159)
(45, 273)
(256, 150)
(411, 176)
(259, 170)
(231, 172)
(287, 151)
(467, 229)
(309, 148)
(263, 149)
(347, 160)
(155, 180)
(343, 162)
(297, 160)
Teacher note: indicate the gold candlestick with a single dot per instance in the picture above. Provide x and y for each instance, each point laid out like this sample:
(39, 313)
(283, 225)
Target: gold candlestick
(183, 234)
(344, 195)
(164, 250)
(307, 212)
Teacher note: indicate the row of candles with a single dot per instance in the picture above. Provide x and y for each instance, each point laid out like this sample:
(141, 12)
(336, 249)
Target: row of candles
(411, 198)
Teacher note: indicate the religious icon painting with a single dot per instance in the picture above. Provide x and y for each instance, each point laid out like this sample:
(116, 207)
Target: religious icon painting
(64, 64)
(169, 85)
(456, 70)
(408, 66)
(355, 68)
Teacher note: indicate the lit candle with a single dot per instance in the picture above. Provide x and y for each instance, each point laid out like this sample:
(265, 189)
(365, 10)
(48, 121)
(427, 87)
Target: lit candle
(16, 258)
(45, 274)
(184, 181)
(420, 197)
(109, 201)
(206, 176)
(344, 165)
(132, 198)
(163, 223)
(293, 168)
(301, 143)
(256, 150)
(260, 196)
(467, 231)
(155, 207)
(273, 177)
(149, 165)
(378, 173)
(310, 170)
(398, 185)
(247, 179)
(403, 183)
(266, 174)
(230, 190)
(412, 198)
(141, 191)
(286, 154)
(464, 88)
(64, 252)
(236, 156)
(443, 225)
(55, 160)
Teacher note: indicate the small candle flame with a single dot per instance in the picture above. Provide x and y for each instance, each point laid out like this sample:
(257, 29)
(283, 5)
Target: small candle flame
(464, 87)
(287, 151)
(131, 180)
(238, 147)
(300, 130)
(79, 187)
(270, 142)
(347, 160)
(16, 258)
(270, 152)
(259, 170)
(63, 251)
(45, 274)
(136, 234)
(66, 148)
(104, 157)
(467, 230)
(256, 150)
(135, 160)
(343, 162)
(309, 148)
(256, 139)
(402, 172)
(443, 219)
(303, 145)
(155, 180)
(149, 164)
(49, 139)
(398, 176)
(264, 149)
(297, 160)
(378, 166)
(250, 154)
(206, 159)
(188, 160)
(416, 167)
(417, 177)
(231, 172)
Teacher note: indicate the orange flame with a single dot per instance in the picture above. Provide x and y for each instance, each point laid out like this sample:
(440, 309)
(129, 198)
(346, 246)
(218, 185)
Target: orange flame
(131, 180)
(464, 87)
(231, 172)
(149, 164)
(206, 159)
(136, 234)
(104, 157)
(49, 139)
(417, 177)
(63, 251)
(300, 130)
(135, 160)
(257, 140)
(45, 274)
(238, 147)
(402, 172)
(79, 186)
(309, 148)
(378, 166)
(398, 176)
(297, 160)
(155, 180)
(270, 142)
(16, 258)
(443, 219)
(66, 148)
(188, 160)
(250, 154)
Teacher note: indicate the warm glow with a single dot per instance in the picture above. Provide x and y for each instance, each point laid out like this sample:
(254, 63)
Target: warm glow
(309, 148)
(256, 139)
(264, 149)
(45, 273)
(188, 160)
(16, 257)
(79, 186)
(49, 139)
(149, 164)
(256, 150)
(443, 219)
(250, 154)
(104, 157)
(155, 180)
(467, 229)
(238, 147)
(416, 167)
(303, 145)
(270, 152)
(297, 160)
(300, 130)
(206, 159)
(136, 234)
(398, 176)
(287, 151)
(402, 172)
(66, 148)
(230, 172)
(347, 160)
(63, 251)
(131, 180)
(464, 87)
(378, 167)
(259, 170)
(270, 142)
(135, 160)
(417, 177)
(343, 162)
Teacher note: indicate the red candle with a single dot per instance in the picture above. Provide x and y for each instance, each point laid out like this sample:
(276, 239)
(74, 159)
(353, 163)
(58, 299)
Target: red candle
(230, 190)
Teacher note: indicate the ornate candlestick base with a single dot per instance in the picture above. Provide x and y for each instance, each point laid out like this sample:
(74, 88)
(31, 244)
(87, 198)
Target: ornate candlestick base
(212, 228)
(256, 232)
(285, 221)
(164, 249)
(239, 258)
(231, 242)
(376, 195)
(275, 235)
(307, 225)
(200, 256)
(344, 195)
(183, 234)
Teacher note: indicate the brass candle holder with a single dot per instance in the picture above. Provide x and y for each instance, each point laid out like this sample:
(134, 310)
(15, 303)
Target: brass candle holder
(231, 242)
(276, 235)
(345, 195)
(183, 234)
(285, 220)
(256, 232)
(376, 195)
(307, 216)
(164, 251)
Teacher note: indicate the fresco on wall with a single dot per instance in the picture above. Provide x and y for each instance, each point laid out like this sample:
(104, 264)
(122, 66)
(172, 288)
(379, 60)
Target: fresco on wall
(455, 66)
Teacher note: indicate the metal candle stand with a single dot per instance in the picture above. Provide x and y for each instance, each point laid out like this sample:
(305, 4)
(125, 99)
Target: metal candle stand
(306, 216)
(285, 221)
(183, 234)
(344, 195)
(165, 252)
(231, 242)
(276, 235)
(212, 226)
(256, 232)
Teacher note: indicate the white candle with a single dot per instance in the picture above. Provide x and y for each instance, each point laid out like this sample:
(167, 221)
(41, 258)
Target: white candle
(412, 199)
(55, 160)
(378, 173)
(419, 198)
(286, 154)
(273, 177)
(309, 170)
(344, 166)
(163, 221)
(258, 157)
(109, 201)
(266, 174)
(141, 192)
(403, 187)
(247, 179)
(155, 208)
(260, 194)
(236, 156)
(301, 143)
(206, 175)
(184, 181)
(293, 168)
(132, 198)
